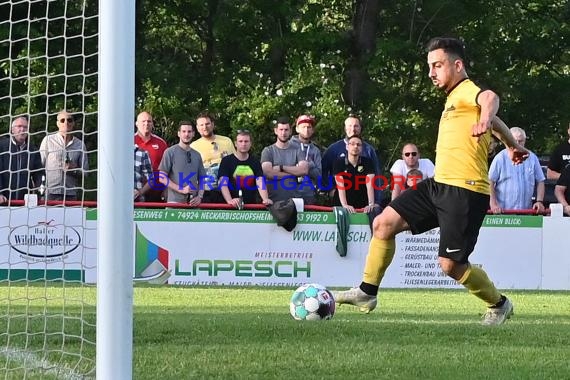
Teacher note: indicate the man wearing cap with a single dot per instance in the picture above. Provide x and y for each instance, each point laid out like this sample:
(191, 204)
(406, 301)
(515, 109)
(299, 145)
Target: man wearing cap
(305, 127)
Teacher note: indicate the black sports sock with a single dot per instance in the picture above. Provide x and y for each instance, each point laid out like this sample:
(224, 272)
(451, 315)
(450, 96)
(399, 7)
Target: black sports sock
(369, 289)
(500, 303)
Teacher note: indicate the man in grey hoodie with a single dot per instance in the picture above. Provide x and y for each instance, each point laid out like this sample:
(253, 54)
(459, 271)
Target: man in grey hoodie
(305, 127)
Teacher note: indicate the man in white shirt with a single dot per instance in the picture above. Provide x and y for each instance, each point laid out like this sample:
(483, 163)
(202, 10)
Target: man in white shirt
(410, 160)
(64, 157)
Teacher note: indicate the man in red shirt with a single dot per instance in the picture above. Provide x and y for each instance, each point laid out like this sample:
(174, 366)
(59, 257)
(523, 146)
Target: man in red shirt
(154, 145)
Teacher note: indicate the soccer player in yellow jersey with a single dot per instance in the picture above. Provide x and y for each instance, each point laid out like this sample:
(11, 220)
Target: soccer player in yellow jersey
(457, 198)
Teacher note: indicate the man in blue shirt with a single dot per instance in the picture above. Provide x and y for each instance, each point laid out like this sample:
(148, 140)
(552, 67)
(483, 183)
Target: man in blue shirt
(512, 186)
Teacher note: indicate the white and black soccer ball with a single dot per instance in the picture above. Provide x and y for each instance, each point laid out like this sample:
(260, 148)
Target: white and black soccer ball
(312, 302)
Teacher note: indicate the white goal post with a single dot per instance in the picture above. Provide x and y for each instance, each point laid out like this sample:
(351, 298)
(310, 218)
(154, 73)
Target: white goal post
(115, 194)
(66, 62)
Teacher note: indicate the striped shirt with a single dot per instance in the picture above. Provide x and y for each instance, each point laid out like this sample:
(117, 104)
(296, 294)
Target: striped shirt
(143, 170)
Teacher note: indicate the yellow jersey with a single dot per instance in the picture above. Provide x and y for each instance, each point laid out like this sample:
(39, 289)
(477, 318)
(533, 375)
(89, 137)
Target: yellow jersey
(212, 152)
(461, 159)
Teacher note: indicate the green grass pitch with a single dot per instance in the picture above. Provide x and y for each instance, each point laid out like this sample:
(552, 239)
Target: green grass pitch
(247, 333)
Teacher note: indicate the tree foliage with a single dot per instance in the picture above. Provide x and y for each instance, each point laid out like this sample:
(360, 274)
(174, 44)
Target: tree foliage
(249, 62)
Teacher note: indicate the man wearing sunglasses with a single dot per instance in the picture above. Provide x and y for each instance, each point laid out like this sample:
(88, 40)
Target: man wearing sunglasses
(410, 160)
(181, 170)
(212, 147)
(64, 157)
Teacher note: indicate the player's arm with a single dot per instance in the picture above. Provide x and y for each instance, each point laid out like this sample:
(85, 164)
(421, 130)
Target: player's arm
(488, 102)
(516, 152)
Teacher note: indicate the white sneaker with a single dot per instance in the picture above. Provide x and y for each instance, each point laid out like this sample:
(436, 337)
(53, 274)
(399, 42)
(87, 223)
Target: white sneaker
(498, 315)
(355, 296)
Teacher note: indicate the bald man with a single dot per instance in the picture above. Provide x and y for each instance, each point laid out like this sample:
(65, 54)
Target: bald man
(153, 145)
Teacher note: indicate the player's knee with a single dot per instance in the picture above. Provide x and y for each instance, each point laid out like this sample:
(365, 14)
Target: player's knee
(447, 266)
(452, 268)
(384, 228)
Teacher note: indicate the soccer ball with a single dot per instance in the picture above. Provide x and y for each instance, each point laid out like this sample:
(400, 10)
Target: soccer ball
(312, 302)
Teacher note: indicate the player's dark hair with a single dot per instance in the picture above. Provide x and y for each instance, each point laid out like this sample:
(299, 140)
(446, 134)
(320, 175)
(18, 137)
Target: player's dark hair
(450, 45)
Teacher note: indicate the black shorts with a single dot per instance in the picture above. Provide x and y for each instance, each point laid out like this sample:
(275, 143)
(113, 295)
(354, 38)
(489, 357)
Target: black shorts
(457, 211)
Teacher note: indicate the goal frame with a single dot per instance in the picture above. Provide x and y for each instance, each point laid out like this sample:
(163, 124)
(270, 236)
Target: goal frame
(115, 170)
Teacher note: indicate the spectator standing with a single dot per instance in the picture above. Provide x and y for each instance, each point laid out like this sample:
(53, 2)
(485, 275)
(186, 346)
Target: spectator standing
(410, 160)
(353, 175)
(562, 190)
(21, 168)
(352, 126)
(182, 171)
(559, 159)
(512, 186)
(155, 146)
(143, 172)
(64, 157)
(284, 165)
(212, 148)
(305, 127)
(241, 174)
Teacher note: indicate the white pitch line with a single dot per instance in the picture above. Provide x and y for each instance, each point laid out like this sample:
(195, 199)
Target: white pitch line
(29, 359)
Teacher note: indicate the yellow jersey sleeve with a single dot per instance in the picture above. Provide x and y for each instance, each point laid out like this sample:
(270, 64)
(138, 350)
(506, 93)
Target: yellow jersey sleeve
(461, 159)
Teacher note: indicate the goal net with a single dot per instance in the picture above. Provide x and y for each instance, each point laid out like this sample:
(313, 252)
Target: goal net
(48, 64)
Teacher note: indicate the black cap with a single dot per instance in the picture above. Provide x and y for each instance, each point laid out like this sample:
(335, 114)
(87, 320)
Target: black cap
(284, 213)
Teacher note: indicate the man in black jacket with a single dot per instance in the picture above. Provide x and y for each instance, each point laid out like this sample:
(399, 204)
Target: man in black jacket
(20, 163)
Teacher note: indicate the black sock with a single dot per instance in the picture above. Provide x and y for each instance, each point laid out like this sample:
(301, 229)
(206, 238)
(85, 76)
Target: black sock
(369, 289)
(500, 303)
